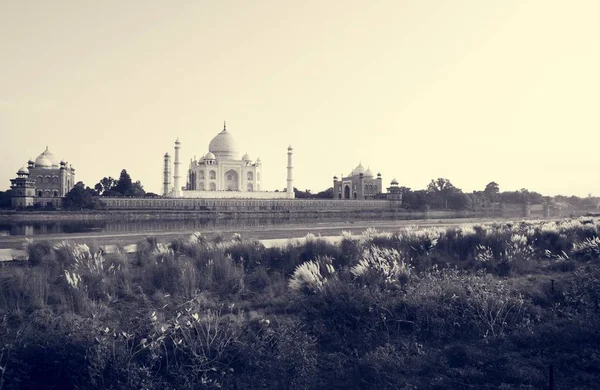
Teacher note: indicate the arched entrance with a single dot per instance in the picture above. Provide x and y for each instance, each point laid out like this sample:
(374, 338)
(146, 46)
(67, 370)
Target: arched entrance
(347, 192)
(231, 180)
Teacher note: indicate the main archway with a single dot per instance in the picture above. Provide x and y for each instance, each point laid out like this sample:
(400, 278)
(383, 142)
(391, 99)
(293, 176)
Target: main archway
(347, 192)
(231, 180)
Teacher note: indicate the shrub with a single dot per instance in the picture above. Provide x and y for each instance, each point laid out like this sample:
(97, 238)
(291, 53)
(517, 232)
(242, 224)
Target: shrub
(587, 250)
(310, 277)
(276, 354)
(161, 272)
(449, 303)
(39, 253)
(250, 254)
(220, 274)
(258, 280)
(350, 251)
(344, 316)
(23, 290)
(381, 266)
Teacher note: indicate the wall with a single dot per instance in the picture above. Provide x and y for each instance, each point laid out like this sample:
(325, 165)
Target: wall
(233, 195)
(246, 204)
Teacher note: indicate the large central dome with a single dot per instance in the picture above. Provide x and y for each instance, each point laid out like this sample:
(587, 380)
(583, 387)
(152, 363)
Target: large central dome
(46, 160)
(223, 146)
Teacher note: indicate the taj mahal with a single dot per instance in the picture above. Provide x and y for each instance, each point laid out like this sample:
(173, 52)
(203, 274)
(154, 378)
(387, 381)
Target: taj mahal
(221, 173)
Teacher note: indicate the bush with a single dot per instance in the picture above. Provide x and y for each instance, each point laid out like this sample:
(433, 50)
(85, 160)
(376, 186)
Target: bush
(311, 276)
(40, 253)
(381, 267)
(450, 303)
(275, 354)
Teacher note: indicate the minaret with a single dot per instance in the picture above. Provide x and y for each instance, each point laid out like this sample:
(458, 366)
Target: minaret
(176, 177)
(167, 175)
(290, 180)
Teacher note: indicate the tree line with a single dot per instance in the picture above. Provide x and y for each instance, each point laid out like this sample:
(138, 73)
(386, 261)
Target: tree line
(83, 197)
(440, 194)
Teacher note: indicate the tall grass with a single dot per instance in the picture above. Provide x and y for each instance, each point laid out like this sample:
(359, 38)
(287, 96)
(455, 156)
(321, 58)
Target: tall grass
(387, 307)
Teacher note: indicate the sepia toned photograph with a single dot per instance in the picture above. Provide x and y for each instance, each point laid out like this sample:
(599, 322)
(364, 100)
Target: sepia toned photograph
(316, 194)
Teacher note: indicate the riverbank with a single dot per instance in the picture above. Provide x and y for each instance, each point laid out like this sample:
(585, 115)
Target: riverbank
(133, 215)
(285, 231)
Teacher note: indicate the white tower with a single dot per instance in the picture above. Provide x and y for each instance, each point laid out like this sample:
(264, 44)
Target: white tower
(167, 175)
(290, 180)
(176, 177)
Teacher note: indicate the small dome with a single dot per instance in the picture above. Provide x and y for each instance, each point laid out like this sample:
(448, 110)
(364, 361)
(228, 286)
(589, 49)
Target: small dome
(368, 173)
(246, 157)
(30, 162)
(209, 156)
(290, 148)
(394, 182)
(223, 145)
(23, 171)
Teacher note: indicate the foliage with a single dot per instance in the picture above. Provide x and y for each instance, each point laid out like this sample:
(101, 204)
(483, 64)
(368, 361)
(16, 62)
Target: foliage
(381, 266)
(311, 276)
(81, 197)
(124, 186)
(416, 308)
(5, 199)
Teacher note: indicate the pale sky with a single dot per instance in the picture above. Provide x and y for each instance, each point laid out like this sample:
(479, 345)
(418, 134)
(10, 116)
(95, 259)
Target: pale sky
(470, 90)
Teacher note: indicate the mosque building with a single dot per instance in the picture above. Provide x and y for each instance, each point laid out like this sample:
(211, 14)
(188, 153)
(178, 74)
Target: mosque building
(43, 182)
(221, 173)
(360, 183)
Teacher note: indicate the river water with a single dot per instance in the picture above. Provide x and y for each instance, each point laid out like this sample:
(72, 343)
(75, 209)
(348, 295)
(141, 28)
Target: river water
(141, 226)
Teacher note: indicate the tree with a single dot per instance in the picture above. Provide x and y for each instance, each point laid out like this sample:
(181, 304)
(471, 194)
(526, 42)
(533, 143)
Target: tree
(124, 186)
(416, 200)
(491, 191)
(302, 194)
(441, 185)
(459, 201)
(325, 194)
(81, 197)
(106, 186)
(137, 189)
(441, 189)
(5, 201)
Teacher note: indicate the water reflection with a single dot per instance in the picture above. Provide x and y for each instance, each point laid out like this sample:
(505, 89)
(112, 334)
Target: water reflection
(69, 227)
(43, 228)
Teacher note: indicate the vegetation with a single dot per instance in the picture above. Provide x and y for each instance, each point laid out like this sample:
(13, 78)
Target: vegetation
(5, 201)
(479, 306)
(81, 197)
(124, 186)
(441, 194)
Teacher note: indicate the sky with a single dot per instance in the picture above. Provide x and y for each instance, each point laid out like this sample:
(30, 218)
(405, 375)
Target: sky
(470, 90)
